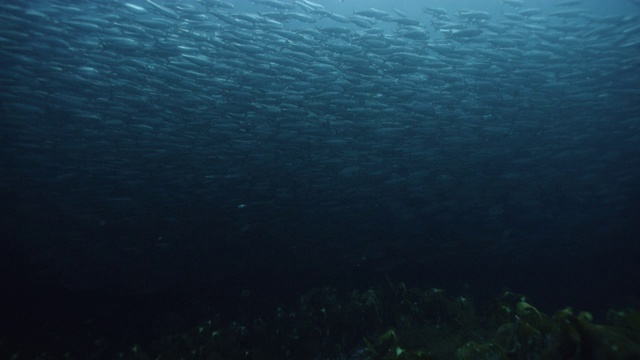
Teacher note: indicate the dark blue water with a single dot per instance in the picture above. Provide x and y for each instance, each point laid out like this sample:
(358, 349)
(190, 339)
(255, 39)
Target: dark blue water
(191, 156)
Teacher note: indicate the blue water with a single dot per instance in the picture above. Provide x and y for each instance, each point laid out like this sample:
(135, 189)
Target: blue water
(191, 149)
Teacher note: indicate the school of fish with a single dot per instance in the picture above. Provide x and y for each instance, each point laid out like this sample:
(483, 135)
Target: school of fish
(287, 117)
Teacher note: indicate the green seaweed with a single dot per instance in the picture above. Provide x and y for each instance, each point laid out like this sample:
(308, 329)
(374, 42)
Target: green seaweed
(394, 322)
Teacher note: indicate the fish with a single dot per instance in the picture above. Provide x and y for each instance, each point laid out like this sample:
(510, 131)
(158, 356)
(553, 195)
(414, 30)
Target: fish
(162, 10)
(513, 3)
(321, 118)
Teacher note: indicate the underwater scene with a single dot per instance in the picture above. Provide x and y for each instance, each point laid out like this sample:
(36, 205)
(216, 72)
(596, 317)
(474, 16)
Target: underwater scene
(320, 179)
